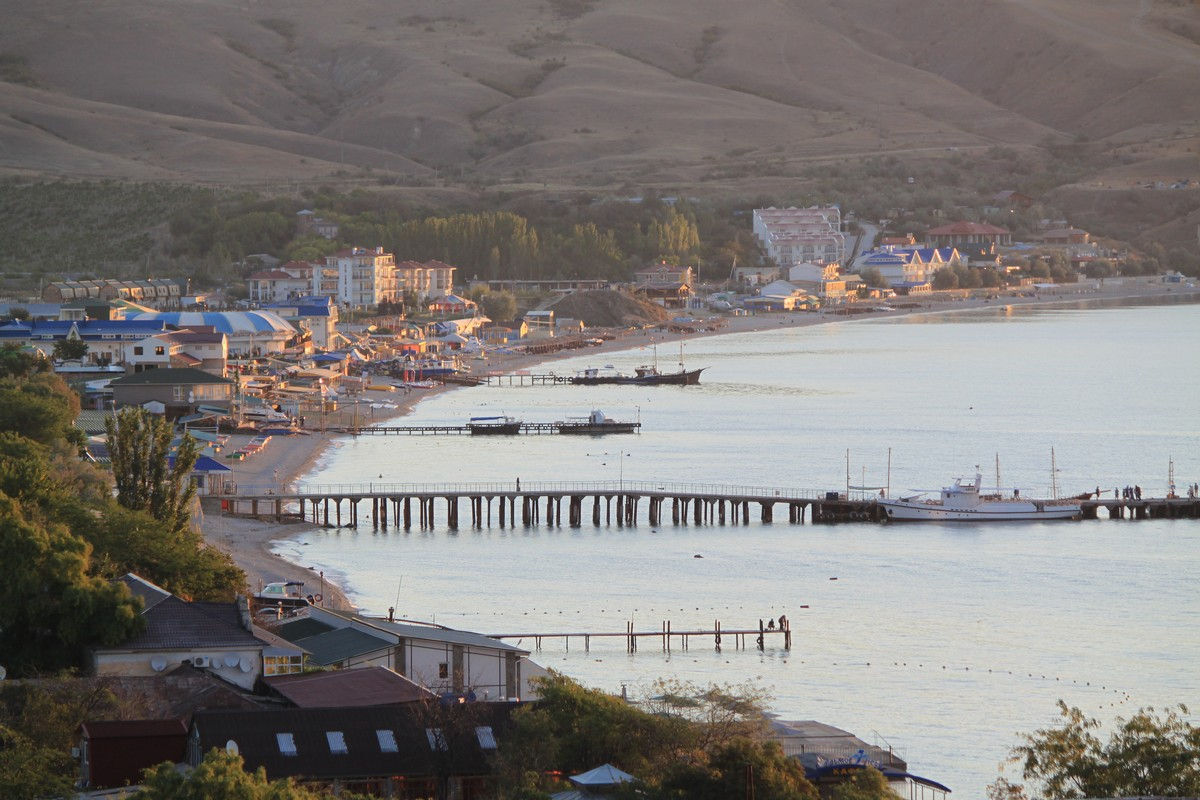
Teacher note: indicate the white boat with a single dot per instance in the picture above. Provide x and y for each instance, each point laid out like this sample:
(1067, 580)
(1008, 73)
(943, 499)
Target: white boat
(964, 502)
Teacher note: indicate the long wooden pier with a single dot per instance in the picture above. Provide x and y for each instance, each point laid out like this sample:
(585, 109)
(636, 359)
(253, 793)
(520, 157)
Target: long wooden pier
(525, 379)
(527, 428)
(617, 503)
(667, 636)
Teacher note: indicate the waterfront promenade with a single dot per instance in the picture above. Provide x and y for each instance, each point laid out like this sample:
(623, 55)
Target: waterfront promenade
(617, 503)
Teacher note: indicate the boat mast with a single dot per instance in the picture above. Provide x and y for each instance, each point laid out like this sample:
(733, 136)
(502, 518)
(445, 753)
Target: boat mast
(888, 489)
(1170, 476)
(998, 484)
(847, 473)
(1053, 477)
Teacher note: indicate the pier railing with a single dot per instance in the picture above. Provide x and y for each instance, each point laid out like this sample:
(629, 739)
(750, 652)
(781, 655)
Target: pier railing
(780, 494)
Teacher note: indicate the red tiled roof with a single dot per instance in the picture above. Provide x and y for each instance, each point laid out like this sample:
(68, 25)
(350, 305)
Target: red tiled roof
(966, 228)
(271, 275)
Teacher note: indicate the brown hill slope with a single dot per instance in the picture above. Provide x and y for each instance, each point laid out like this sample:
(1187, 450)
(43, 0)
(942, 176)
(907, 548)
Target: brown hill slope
(569, 92)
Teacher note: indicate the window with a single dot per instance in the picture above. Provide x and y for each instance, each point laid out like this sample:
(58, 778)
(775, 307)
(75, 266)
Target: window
(387, 741)
(139, 350)
(158, 351)
(437, 740)
(287, 743)
(443, 670)
(282, 665)
(337, 742)
(178, 392)
(487, 740)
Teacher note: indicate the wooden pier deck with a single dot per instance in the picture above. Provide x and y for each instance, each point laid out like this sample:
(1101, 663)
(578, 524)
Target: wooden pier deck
(606, 502)
(668, 636)
(524, 379)
(527, 428)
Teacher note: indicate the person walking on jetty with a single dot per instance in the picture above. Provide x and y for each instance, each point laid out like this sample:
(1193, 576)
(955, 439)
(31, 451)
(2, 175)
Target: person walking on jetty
(518, 484)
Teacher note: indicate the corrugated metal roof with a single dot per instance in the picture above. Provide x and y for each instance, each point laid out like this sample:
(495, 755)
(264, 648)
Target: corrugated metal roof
(338, 645)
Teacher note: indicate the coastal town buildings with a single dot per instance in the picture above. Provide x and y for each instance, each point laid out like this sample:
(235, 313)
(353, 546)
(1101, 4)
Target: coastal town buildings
(248, 332)
(791, 235)
(437, 658)
(309, 224)
(214, 636)
(669, 285)
(161, 293)
(202, 347)
(106, 339)
(314, 317)
(357, 278)
(281, 283)
(429, 279)
(361, 277)
(957, 233)
(178, 389)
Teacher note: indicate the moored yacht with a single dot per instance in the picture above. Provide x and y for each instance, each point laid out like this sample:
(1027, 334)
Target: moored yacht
(965, 502)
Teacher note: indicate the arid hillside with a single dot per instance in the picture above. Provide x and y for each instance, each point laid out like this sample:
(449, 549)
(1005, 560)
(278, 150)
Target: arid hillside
(576, 93)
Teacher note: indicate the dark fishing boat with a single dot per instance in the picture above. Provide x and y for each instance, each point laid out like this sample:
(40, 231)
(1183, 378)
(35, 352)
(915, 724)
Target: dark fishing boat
(642, 376)
(494, 426)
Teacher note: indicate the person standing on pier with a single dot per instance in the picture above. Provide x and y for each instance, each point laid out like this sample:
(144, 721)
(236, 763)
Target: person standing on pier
(518, 484)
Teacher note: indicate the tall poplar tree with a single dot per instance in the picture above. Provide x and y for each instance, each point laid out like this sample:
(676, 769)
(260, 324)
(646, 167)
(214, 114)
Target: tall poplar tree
(139, 445)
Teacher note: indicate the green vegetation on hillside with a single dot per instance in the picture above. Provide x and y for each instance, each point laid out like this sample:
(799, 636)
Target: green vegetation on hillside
(63, 536)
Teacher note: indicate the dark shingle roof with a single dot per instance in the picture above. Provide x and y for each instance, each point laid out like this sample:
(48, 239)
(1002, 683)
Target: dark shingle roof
(365, 686)
(140, 587)
(254, 732)
(170, 375)
(172, 624)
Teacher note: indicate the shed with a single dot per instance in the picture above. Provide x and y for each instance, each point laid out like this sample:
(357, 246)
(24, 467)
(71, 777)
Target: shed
(115, 753)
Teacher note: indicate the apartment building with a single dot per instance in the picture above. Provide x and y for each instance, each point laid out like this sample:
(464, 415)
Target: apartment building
(792, 235)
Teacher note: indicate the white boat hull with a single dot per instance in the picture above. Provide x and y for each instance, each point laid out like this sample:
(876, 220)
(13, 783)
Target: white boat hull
(1017, 511)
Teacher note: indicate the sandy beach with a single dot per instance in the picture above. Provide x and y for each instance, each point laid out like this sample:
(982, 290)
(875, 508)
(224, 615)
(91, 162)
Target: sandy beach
(287, 458)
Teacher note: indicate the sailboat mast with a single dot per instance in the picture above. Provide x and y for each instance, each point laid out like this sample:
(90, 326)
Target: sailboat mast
(998, 484)
(1053, 476)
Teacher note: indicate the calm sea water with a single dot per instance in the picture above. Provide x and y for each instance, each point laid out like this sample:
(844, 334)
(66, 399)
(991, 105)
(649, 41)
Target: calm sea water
(945, 642)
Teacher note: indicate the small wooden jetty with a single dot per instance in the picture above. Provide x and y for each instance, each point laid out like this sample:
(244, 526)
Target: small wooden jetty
(620, 503)
(669, 637)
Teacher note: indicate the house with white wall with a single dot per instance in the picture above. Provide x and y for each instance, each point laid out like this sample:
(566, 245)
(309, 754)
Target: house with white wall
(440, 659)
(217, 637)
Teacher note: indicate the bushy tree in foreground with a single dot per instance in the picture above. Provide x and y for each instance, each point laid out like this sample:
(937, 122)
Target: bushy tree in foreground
(689, 742)
(1152, 753)
(221, 776)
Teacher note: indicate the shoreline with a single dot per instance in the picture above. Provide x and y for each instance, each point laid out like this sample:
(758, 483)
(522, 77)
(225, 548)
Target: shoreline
(287, 458)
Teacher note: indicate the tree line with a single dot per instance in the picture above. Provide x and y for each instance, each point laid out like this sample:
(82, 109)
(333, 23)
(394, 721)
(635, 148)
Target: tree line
(64, 537)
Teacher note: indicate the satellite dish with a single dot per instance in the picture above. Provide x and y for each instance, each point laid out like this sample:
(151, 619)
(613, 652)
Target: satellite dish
(3, 673)
(158, 663)
(244, 665)
(231, 747)
(231, 661)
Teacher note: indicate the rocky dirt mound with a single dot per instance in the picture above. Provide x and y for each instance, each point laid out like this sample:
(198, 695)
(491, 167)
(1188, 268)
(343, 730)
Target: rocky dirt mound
(605, 308)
